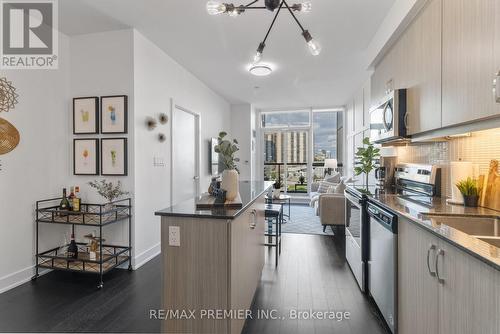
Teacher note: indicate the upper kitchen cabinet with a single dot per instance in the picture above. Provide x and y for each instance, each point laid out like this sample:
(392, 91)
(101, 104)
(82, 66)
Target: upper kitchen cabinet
(383, 78)
(414, 63)
(471, 43)
(419, 69)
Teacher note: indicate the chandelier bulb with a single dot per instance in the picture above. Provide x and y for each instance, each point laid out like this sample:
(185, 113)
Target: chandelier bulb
(258, 54)
(215, 8)
(306, 7)
(314, 46)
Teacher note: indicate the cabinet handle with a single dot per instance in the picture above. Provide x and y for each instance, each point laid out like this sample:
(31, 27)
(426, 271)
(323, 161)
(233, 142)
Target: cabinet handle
(253, 218)
(439, 252)
(406, 120)
(496, 87)
(431, 247)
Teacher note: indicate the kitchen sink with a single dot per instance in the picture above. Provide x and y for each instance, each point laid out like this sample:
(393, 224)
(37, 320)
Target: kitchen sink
(479, 227)
(492, 241)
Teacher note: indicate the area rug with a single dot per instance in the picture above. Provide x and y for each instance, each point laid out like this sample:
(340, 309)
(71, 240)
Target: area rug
(303, 220)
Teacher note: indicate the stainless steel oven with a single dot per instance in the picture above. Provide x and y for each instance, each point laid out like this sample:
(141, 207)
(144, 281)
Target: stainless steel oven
(389, 119)
(356, 251)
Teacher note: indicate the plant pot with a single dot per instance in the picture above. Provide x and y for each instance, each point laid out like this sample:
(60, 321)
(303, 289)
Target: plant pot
(276, 193)
(471, 201)
(230, 183)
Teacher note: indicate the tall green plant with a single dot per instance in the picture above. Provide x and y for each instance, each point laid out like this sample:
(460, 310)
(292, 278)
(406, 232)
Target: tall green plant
(366, 159)
(227, 150)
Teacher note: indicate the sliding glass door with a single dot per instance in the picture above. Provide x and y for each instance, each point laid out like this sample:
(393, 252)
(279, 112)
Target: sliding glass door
(296, 145)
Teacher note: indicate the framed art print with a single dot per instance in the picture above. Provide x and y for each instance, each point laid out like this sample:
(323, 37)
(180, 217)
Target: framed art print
(85, 115)
(86, 156)
(114, 114)
(114, 156)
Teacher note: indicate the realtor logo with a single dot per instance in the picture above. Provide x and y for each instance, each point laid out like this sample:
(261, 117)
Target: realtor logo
(29, 34)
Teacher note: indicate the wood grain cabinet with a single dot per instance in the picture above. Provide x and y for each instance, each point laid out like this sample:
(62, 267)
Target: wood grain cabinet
(441, 288)
(417, 287)
(216, 267)
(414, 63)
(419, 69)
(471, 43)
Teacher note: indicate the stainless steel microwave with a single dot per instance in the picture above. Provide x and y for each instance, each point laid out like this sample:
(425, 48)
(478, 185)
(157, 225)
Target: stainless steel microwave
(388, 119)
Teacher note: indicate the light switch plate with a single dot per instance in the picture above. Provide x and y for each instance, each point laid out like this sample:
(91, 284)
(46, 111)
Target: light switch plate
(174, 236)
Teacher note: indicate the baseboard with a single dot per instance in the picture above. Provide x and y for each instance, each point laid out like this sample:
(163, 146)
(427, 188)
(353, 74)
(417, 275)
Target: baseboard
(22, 276)
(19, 277)
(146, 256)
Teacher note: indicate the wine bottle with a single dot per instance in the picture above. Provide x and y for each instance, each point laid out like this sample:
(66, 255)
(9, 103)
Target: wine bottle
(71, 197)
(64, 205)
(72, 248)
(76, 200)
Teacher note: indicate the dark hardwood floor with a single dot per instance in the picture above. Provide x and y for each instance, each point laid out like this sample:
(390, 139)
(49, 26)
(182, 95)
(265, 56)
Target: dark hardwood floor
(312, 274)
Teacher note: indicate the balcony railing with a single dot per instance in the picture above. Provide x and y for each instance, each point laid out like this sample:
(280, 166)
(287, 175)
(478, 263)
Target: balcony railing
(296, 175)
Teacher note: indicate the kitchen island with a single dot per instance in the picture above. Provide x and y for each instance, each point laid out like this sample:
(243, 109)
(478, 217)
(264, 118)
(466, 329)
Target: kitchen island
(212, 262)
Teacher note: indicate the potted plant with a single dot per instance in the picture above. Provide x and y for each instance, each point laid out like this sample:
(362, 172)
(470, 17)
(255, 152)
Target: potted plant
(230, 175)
(470, 190)
(109, 192)
(302, 179)
(366, 159)
(277, 189)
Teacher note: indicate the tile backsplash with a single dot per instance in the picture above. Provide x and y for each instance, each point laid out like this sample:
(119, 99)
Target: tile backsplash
(479, 148)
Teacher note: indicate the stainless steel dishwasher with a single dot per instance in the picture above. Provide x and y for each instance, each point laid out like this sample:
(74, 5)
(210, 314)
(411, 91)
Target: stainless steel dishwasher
(383, 262)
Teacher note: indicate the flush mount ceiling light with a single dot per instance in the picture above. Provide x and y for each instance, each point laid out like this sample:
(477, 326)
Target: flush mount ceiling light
(216, 8)
(260, 70)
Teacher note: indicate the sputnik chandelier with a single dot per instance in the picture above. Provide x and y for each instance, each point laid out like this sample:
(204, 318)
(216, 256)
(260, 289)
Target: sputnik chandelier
(216, 8)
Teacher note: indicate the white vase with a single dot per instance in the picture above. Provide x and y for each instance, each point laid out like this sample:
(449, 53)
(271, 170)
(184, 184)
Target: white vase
(230, 183)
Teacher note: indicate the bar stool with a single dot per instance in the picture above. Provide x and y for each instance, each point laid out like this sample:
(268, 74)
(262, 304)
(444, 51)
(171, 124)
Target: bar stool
(274, 212)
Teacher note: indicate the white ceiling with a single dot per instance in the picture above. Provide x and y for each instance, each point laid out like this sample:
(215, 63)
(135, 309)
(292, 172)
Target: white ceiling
(218, 49)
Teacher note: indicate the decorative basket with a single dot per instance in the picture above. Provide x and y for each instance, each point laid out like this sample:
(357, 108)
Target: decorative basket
(9, 137)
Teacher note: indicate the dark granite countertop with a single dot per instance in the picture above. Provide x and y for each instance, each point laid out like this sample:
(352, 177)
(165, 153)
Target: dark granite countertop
(249, 192)
(417, 212)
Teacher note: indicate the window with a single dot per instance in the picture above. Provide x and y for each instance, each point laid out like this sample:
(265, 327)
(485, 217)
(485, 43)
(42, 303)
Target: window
(288, 119)
(325, 135)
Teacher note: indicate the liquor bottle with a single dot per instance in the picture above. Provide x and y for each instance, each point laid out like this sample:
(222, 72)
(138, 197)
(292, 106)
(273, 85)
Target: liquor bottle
(77, 201)
(64, 202)
(72, 248)
(71, 197)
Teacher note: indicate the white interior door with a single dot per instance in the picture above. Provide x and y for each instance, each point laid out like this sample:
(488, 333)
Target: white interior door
(185, 154)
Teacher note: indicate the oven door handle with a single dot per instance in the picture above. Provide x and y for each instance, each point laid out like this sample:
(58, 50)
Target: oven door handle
(354, 200)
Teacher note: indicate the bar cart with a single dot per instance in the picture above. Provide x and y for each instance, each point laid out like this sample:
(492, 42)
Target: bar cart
(93, 215)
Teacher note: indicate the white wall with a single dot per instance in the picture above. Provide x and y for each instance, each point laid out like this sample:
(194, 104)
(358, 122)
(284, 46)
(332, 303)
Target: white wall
(103, 64)
(37, 168)
(157, 79)
(242, 124)
(116, 62)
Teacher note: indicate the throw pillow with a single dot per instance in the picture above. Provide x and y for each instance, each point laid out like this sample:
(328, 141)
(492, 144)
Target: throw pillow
(323, 187)
(333, 178)
(339, 189)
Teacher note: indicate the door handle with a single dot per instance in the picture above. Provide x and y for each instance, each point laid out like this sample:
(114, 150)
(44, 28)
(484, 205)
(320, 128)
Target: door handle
(439, 252)
(431, 247)
(496, 87)
(406, 120)
(196, 178)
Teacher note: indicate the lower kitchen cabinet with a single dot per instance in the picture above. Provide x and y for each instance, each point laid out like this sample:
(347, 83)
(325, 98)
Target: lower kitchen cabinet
(417, 288)
(456, 294)
(469, 297)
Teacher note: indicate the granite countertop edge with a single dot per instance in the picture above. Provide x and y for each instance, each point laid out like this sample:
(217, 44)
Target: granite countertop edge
(205, 214)
(417, 220)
